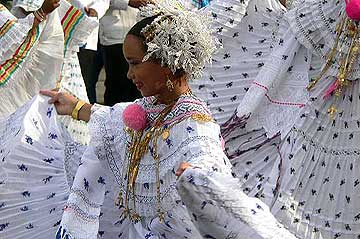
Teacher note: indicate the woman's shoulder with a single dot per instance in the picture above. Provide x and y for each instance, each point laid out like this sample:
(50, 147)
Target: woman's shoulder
(192, 117)
(189, 107)
(106, 120)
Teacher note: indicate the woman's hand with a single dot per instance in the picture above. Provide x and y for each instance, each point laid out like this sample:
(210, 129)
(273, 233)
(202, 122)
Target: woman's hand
(90, 12)
(50, 5)
(181, 169)
(139, 3)
(283, 2)
(64, 103)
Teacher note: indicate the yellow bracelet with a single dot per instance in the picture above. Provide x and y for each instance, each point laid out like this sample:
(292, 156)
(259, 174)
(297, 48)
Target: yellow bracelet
(77, 108)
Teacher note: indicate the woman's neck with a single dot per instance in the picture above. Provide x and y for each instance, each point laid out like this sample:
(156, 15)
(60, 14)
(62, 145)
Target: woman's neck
(169, 97)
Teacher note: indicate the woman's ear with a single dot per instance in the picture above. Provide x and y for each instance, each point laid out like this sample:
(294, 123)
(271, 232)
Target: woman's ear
(168, 73)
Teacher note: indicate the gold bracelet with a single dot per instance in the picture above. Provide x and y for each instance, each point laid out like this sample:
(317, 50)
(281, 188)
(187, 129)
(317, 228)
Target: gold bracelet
(77, 108)
(41, 11)
(38, 16)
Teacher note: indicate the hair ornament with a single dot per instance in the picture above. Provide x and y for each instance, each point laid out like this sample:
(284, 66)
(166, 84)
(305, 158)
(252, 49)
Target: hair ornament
(180, 38)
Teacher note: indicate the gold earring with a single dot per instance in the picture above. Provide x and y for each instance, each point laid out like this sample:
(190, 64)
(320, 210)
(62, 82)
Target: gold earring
(169, 84)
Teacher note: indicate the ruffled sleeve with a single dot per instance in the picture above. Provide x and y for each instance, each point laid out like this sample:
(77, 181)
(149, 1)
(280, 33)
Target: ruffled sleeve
(314, 23)
(107, 131)
(30, 64)
(222, 210)
(204, 149)
(81, 214)
(76, 25)
(12, 32)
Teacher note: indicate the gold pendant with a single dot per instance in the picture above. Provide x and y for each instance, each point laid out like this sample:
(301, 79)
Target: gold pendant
(119, 201)
(135, 218)
(202, 118)
(161, 217)
(166, 134)
(332, 111)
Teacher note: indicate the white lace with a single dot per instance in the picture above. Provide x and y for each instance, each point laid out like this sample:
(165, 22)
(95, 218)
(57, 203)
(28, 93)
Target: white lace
(81, 217)
(196, 147)
(277, 96)
(10, 41)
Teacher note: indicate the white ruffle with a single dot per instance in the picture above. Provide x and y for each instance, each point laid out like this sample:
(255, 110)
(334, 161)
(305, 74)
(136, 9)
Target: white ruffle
(222, 209)
(9, 42)
(35, 187)
(247, 40)
(312, 201)
(314, 24)
(30, 77)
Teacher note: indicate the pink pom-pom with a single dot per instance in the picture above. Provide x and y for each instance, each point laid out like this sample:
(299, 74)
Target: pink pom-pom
(353, 9)
(134, 117)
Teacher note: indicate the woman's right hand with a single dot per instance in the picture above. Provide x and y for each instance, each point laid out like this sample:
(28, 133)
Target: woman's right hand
(50, 5)
(64, 103)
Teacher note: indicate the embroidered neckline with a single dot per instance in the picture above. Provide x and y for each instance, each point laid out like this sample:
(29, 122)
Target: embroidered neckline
(186, 106)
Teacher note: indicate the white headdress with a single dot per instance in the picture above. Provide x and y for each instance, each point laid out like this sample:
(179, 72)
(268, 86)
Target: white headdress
(181, 39)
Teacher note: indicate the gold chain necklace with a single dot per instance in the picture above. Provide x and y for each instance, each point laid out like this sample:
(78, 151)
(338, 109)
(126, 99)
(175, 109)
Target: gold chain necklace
(137, 149)
(349, 30)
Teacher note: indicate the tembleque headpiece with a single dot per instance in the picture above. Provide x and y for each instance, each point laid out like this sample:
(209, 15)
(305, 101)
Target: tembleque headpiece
(180, 38)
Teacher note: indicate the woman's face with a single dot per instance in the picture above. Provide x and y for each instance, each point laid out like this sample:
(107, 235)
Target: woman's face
(149, 77)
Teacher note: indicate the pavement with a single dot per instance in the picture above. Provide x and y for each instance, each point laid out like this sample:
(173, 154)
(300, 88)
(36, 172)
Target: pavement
(100, 88)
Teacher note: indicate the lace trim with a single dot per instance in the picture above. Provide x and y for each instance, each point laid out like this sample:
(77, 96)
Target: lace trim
(186, 105)
(275, 101)
(80, 193)
(69, 151)
(323, 148)
(307, 36)
(167, 163)
(79, 203)
(73, 207)
(323, 18)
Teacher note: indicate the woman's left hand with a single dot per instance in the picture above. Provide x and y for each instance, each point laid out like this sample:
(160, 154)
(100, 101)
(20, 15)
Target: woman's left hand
(181, 169)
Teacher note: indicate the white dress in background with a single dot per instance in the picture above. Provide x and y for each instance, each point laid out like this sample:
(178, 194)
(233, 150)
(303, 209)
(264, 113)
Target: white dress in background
(248, 40)
(77, 28)
(308, 174)
(35, 171)
(26, 57)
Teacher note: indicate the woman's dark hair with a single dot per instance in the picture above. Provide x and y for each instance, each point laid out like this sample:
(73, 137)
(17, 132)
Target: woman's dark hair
(136, 30)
